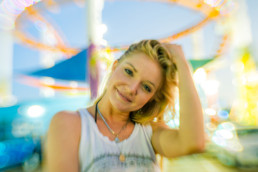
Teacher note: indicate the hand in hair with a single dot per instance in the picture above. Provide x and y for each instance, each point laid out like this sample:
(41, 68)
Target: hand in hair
(175, 51)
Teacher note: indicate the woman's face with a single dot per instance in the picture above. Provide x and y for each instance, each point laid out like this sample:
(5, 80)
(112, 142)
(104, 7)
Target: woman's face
(133, 82)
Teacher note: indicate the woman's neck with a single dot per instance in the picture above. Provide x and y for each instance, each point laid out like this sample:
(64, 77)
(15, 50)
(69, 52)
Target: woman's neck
(111, 113)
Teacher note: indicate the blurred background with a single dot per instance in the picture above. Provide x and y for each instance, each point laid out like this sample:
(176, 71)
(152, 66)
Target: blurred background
(54, 54)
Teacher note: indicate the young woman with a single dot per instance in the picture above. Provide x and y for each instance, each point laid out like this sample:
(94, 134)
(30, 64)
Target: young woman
(124, 129)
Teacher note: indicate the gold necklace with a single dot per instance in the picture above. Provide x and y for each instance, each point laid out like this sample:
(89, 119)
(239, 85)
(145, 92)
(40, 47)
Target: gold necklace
(122, 156)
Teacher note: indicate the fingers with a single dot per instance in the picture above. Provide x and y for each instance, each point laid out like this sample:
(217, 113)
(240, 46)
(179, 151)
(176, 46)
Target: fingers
(168, 45)
(174, 49)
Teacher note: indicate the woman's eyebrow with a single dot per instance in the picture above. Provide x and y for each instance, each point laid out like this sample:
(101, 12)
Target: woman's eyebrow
(152, 84)
(131, 66)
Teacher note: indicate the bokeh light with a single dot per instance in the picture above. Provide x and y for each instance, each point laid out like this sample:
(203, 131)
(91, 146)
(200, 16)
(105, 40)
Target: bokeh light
(210, 111)
(35, 111)
(223, 114)
(200, 75)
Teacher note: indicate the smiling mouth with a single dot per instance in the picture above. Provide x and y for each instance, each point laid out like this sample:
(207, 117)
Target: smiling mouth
(124, 97)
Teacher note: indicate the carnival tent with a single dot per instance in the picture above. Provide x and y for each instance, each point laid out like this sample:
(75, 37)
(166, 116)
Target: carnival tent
(73, 69)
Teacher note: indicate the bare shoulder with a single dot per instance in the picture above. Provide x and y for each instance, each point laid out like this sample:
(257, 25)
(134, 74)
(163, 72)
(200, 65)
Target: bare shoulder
(158, 125)
(65, 115)
(66, 118)
(65, 125)
(63, 136)
(165, 140)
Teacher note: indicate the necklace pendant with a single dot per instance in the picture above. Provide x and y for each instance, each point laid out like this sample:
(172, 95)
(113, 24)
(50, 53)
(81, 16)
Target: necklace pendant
(122, 158)
(117, 140)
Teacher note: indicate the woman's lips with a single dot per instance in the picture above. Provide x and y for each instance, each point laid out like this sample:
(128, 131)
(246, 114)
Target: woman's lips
(123, 97)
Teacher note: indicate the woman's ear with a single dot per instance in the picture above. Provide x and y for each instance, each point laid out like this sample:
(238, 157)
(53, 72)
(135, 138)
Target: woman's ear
(114, 65)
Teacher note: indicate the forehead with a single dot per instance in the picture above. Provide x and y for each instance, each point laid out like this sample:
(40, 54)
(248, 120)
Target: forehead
(146, 67)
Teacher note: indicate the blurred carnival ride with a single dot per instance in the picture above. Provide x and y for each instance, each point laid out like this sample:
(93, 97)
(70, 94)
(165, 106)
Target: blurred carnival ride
(15, 13)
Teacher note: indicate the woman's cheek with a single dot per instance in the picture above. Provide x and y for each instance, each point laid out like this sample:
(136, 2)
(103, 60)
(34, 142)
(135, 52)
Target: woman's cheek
(145, 98)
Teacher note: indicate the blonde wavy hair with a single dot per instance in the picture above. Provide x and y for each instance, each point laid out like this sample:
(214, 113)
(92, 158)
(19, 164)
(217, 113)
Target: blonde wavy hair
(164, 98)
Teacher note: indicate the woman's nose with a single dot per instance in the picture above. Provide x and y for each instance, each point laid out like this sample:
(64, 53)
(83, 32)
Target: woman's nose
(134, 87)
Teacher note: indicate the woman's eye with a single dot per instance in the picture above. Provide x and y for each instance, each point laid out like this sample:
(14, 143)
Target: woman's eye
(147, 88)
(129, 72)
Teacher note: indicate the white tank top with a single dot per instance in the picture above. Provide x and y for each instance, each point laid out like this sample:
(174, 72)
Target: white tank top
(97, 153)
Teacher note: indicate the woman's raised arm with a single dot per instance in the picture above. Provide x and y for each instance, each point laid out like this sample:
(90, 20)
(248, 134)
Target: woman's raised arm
(189, 138)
